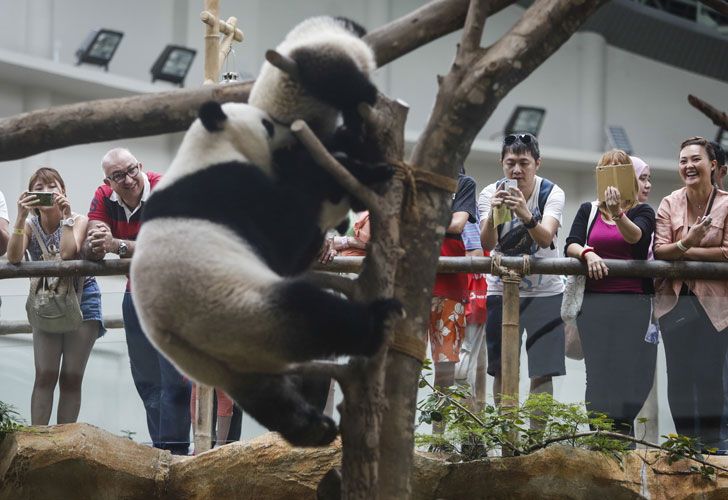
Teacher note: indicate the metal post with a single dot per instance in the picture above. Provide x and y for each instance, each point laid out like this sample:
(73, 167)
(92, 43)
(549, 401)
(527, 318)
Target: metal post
(510, 348)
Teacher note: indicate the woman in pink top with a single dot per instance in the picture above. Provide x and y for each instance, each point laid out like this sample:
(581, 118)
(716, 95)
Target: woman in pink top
(616, 311)
(691, 225)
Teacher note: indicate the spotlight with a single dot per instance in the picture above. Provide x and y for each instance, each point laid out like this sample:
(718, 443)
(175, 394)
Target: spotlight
(525, 119)
(173, 64)
(618, 139)
(99, 47)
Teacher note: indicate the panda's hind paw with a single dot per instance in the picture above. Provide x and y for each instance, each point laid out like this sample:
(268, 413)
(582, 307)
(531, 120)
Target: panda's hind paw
(314, 429)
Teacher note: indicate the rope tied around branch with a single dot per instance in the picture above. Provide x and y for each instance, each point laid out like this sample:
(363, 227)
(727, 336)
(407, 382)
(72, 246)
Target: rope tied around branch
(409, 346)
(410, 176)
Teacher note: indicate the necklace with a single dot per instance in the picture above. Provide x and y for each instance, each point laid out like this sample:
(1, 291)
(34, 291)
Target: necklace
(699, 206)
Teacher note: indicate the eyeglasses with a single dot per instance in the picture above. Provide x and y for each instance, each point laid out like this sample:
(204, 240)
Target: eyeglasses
(119, 177)
(524, 138)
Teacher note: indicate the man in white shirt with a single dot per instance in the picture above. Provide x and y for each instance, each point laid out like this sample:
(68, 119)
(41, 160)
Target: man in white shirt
(536, 206)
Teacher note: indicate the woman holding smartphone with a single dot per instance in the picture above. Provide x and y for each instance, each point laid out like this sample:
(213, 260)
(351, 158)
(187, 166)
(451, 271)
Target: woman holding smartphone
(45, 213)
(692, 225)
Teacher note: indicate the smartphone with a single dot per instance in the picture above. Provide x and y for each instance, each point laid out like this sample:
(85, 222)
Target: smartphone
(510, 184)
(45, 198)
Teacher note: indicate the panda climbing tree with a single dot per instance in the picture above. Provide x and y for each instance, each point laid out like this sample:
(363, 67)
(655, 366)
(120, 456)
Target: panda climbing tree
(468, 94)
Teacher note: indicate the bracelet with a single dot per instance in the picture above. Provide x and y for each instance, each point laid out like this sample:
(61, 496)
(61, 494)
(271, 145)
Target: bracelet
(343, 241)
(681, 246)
(20, 231)
(585, 251)
(621, 214)
(531, 224)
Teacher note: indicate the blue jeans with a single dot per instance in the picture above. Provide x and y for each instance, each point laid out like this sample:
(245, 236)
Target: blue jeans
(164, 392)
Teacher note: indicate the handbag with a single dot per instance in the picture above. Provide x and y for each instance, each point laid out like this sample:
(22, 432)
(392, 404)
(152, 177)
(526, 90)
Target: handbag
(572, 299)
(53, 303)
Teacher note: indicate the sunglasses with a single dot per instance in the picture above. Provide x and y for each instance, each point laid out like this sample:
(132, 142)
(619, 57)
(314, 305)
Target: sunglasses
(118, 177)
(524, 138)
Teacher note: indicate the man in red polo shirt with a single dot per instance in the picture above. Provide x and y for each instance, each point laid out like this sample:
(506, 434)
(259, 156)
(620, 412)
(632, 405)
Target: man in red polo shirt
(114, 220)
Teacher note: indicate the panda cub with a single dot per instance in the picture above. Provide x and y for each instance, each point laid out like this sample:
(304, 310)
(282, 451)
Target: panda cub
(334, 70)
(218, 236)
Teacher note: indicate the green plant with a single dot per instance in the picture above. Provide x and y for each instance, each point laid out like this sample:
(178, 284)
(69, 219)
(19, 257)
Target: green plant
(536, 423)
(9, 419)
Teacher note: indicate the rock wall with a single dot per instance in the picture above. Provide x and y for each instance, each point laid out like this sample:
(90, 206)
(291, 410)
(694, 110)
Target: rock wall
(79, 461)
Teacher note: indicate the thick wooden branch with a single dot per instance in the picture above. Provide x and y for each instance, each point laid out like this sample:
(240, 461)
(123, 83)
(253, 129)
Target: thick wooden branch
(321, 156)
(166, 112)
(430, 22)
(470, 93)
(474, 25)
(719, 118)
(326, 368)
(720, 6)
(107, 119)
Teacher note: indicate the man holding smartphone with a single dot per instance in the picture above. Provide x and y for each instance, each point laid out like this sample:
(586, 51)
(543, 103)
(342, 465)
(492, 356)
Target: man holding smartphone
(536, 205)
(114, 222)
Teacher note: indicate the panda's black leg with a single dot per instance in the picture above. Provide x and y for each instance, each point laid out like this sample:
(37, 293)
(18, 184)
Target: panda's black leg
(320, 324)
(276, 402)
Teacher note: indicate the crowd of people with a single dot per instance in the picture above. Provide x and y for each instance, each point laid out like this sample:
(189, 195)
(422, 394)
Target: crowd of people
(521, 214)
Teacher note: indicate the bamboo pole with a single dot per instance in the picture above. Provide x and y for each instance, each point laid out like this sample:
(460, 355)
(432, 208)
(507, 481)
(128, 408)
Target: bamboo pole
(202, 424)
(225, 27)
(212, 42)
(15, 327)
(510, 350)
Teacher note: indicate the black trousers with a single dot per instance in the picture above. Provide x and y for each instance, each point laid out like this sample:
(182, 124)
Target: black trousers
(620, 365)
(695, 352)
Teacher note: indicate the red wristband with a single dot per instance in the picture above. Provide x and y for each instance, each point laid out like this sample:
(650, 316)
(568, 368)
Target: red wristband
(621, 214)
(585, 251)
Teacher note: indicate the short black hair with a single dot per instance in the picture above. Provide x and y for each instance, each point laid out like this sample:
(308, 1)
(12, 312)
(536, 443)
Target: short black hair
(519, 144)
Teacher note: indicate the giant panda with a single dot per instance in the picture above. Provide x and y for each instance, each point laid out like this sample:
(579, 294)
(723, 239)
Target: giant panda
(334, 71)
(209, 274)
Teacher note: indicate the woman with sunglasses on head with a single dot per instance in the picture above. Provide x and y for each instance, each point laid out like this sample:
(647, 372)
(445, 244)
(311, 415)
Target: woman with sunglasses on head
(61, 231)
(615, 312)
(692, 225)
(535, 205)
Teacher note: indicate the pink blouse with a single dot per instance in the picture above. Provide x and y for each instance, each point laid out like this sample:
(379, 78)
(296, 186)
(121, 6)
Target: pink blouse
(671, 226)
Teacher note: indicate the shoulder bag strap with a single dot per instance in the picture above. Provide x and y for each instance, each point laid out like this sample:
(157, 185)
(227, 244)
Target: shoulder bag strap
(41, 243)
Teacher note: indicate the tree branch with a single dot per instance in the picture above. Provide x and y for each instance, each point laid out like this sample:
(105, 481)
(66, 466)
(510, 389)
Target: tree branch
(321, 156)
(720, 6)
(430, 22)
(331, 369)
(474, 25)
(719, 118)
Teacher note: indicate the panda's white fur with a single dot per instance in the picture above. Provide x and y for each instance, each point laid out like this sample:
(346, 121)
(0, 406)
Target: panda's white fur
(217, 232)
(287, 100)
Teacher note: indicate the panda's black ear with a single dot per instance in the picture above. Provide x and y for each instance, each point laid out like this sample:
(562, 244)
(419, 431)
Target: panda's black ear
(269, 127)
(212, 116)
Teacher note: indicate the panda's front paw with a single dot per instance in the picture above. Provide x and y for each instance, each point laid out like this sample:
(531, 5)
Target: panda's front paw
(380, 312)
(311, 429)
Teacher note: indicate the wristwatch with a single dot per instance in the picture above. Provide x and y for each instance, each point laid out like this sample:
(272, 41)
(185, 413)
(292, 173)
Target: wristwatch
(123, 249)
(68, 222)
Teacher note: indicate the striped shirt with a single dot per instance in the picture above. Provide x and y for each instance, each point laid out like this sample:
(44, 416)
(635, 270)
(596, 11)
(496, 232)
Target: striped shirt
(108, 208)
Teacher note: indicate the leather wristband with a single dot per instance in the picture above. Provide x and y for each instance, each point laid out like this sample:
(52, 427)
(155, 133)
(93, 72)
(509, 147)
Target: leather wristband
(585, 251)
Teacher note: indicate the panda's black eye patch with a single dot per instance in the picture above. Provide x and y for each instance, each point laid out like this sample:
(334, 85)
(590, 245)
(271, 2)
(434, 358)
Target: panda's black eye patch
(269, 127)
